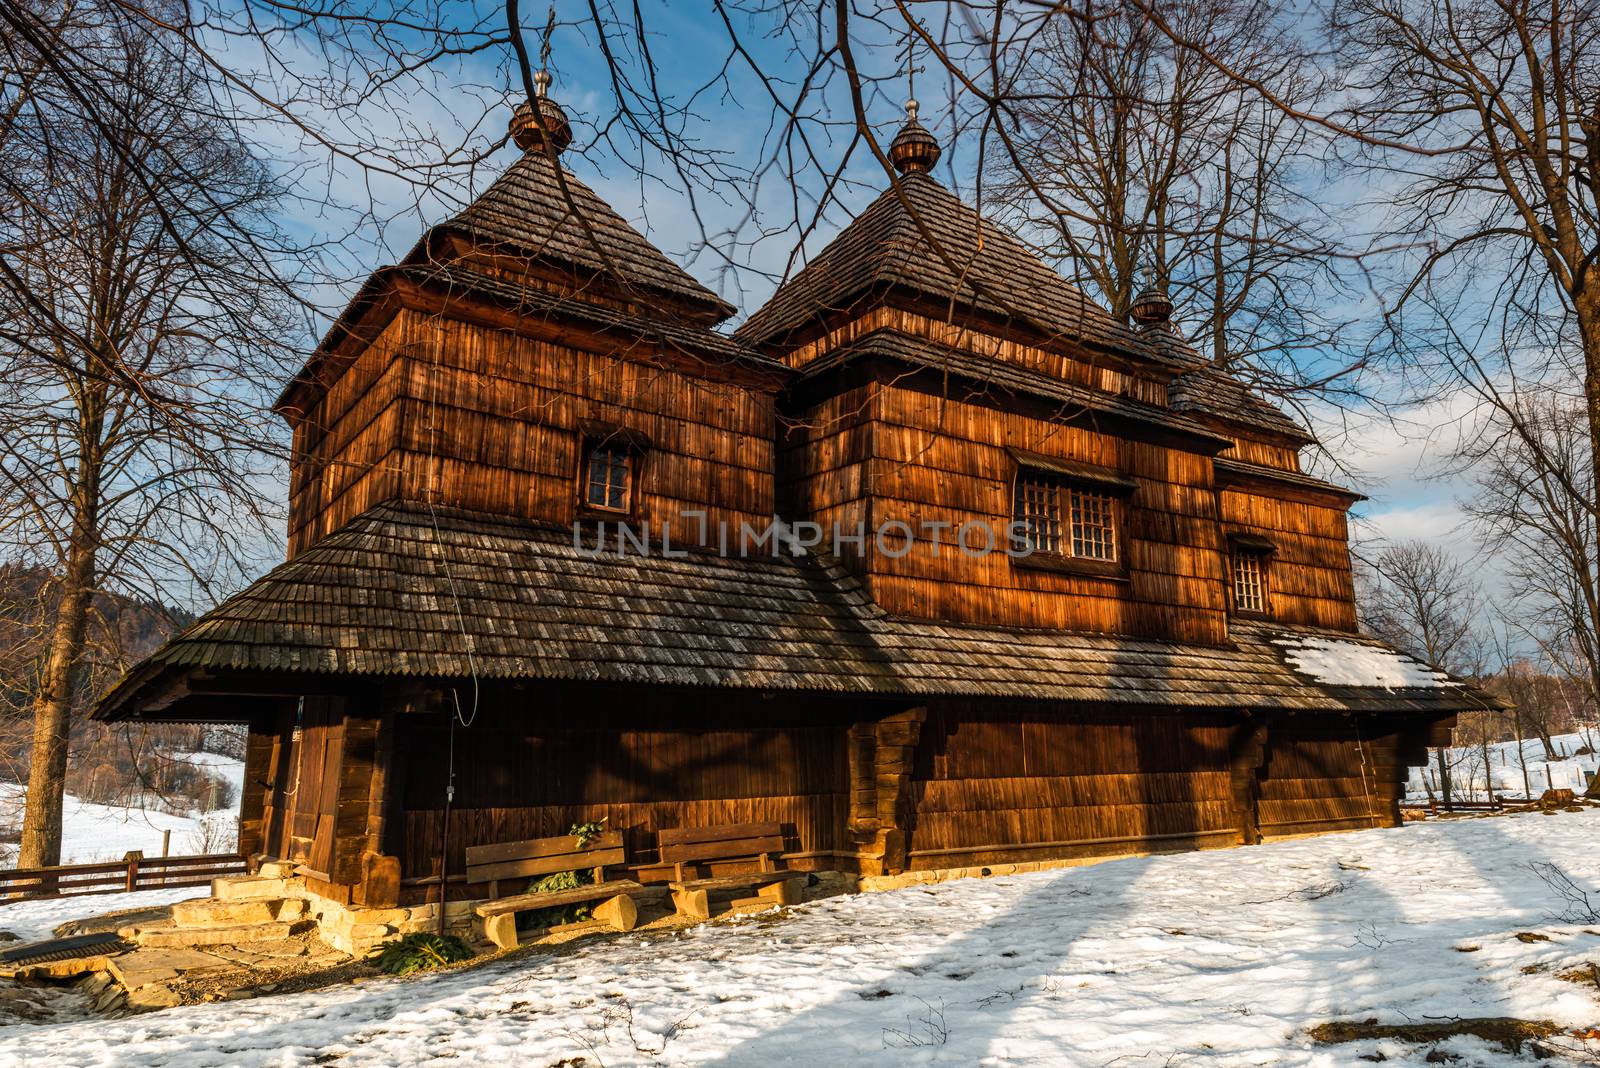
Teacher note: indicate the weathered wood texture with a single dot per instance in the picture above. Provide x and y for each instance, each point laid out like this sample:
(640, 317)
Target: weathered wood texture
(1065, 358)
(466, 415)
(312, 791)
(1310, 581)
(652, 769)
(992, 785)
(1329, 774)
(880, 454)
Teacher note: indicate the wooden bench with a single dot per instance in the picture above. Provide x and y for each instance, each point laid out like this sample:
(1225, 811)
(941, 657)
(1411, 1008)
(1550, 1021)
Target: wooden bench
(688, 849)
(543, 856)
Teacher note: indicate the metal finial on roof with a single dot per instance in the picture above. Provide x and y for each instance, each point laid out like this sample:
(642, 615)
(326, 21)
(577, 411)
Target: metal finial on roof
(914, 150)
(540, 120)
(1152, 307)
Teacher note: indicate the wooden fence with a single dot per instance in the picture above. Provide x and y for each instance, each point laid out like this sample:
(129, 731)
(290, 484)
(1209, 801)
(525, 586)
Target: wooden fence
(133, 872)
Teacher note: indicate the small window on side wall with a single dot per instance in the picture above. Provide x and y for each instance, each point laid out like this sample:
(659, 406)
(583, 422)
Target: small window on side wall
(1252, 569)
(609, 477)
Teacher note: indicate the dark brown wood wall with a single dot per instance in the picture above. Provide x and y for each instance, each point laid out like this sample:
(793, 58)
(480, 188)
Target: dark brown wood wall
(1310, 580)
(1031, 783)
(492, 420)
(644, 763)
(1332, 773)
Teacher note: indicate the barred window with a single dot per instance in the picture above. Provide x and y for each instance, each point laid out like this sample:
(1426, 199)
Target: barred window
(1066, 519)
(1249, 580)
(608, 478)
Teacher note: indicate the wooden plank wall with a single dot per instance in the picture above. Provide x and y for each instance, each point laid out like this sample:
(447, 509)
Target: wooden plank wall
(489, 420)
(1310, 580)
(1034, 783)
(886, 453)
(661, 765)
(311, 796)
(1322, 775)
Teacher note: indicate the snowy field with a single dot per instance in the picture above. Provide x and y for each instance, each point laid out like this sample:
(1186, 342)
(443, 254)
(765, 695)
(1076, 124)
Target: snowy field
(34, 921)
(1570, 770)
(1219, 958)
(93, 833)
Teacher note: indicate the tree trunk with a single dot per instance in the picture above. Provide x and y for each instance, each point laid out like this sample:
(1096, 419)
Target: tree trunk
(52, 705)
(1444, 781)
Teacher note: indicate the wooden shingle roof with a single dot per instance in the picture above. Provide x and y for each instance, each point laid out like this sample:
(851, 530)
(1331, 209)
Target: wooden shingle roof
(994, 273)
(524, 212)
(984, 374)
(1215, 393)
(405, 592)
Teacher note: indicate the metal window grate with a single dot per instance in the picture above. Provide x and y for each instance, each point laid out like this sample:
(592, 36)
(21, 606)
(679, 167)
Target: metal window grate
(1064, 519)
(1038, 508)
(1094, 533)
(1249, 581)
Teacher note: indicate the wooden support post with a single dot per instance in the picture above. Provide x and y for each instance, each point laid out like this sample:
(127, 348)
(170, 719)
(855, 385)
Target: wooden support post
(259, 750)
(501, 930)
(861, 752)
(621, 912)
(894, 754)
(695, 904)
(133, 857)
(1247, 755)
(358, 827)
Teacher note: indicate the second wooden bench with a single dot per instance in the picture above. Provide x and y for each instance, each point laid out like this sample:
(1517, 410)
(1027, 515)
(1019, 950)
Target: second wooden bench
(689, 849)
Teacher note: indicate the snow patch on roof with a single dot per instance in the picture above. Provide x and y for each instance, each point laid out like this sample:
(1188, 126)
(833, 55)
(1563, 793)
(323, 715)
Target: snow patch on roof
(1338, 662)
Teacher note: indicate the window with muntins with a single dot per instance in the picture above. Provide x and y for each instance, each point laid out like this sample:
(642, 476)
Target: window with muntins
(1249, 580)
(1065, 518)
(608, 478)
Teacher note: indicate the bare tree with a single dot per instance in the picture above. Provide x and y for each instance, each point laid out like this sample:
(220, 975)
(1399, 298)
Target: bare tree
(1421, 599)
(1533, 508)
(1481, 121)
(141, 323)
(1142, 163)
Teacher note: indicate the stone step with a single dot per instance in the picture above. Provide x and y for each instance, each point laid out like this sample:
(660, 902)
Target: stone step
(210, 912)
(246, 887)
(178, 937)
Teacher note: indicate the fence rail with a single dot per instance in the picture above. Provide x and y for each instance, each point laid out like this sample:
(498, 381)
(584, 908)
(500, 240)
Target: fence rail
(134, 872)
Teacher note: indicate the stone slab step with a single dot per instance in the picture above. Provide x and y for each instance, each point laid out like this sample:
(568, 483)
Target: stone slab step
(247, 887)
(179, 937)
(209, 912)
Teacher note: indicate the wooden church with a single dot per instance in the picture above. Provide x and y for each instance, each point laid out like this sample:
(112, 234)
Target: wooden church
(1162, 653)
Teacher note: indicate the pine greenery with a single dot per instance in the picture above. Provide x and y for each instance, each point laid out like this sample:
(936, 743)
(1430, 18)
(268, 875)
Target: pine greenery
(419, 952)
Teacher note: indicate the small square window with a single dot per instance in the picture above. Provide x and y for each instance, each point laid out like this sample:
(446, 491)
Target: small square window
(608, 472)
(1250, 581)
(1065, 518)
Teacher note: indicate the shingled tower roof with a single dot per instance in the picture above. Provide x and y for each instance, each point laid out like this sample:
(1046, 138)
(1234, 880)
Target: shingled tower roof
(525, 212)
(978, 264)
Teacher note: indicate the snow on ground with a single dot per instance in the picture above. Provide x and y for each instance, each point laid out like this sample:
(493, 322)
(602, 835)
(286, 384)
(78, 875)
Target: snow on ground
(229, 769)
(33, 921)
(1338, 662)
(1571, 770)
(93, 833)
(1220, 958)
